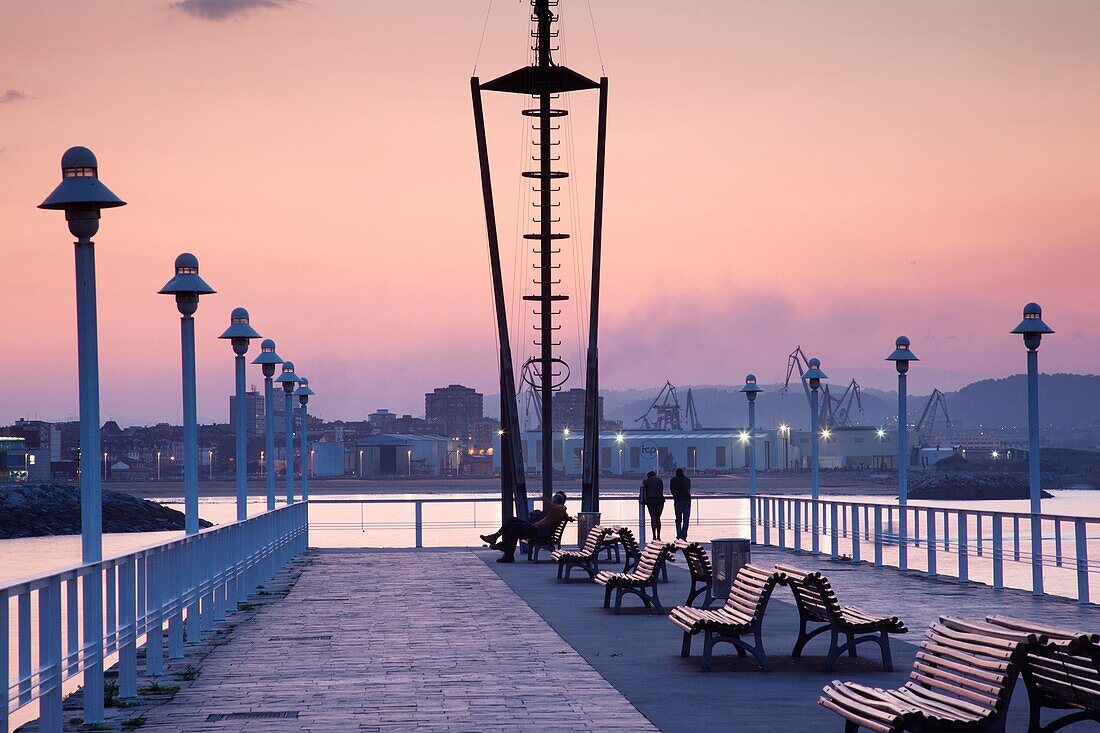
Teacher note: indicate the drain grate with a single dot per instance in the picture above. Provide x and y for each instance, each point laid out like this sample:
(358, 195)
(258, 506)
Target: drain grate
(315, 637)
(260, 715)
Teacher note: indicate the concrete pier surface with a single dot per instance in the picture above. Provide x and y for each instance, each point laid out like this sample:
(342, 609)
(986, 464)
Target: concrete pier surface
(448, 640)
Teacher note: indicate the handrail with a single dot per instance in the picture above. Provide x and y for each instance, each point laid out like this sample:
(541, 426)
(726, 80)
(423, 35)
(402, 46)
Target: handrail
(191, 581)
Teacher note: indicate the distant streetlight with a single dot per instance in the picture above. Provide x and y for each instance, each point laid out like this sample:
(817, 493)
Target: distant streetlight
(360, 463)
(211, 457)
(187, 287)
(751, 390)
(814, 375)
(104, 466)
(288, 379)
(240, 333)
(158, 465)
(901, 358)
(304, 393)
(268, 360)
(410, 454)
(785, 431)
(1033, 329)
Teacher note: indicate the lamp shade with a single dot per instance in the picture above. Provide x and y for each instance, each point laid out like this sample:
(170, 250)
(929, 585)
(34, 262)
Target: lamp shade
(186, 280)
(80, 187)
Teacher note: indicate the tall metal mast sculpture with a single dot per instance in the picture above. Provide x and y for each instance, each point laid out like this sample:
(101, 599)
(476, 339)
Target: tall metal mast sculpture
(544, 81)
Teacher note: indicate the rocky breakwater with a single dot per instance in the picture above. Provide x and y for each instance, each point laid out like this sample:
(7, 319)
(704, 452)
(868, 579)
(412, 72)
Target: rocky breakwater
(971, 487)
(28, 510)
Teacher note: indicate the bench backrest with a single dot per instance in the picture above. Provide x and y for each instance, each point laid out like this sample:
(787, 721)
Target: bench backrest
(559, 530)
(812, 592)
(1060, 664)
(595, 538)
(751, 589)
(653, 557)
(629, 542)
(698, 560)
(972, 661)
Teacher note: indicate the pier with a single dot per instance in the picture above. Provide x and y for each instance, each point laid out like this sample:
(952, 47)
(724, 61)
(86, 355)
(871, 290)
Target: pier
(444, 639)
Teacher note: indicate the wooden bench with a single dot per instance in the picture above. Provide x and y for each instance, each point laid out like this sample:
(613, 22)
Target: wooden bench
(631, 551)
(553, 542)
(587, 557)
(642, 581)
(702, 573)
(1061, 671)
(742, 615)
(962, 680)
(817, 604)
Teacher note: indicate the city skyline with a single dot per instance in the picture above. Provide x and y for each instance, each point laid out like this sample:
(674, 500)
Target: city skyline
(826, 177)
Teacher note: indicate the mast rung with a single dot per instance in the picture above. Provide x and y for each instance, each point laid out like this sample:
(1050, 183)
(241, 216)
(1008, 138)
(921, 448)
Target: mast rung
(538, 174)
(551, 236)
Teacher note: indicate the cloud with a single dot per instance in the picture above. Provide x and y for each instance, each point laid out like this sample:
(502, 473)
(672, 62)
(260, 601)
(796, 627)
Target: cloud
(222, 9)
(13, 95)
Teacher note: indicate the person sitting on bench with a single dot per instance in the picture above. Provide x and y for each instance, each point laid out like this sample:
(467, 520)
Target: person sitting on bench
(514, 530)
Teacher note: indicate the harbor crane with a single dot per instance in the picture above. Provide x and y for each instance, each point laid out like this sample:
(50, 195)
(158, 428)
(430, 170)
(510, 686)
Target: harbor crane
(664, 413)
(926, 425)
(836, 412)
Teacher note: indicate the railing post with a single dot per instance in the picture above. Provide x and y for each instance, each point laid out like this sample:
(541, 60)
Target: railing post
(5, 636)
(752, 518)
(797, 524)
(206, 585)
(767, 522)
(833, 537)
(815, 526)
(1081, 540)
(191, 574)
(946, 531)
(930, 545)
(1057, 543)
(784, 511)
(24, 642)
(72, 618)
(127, 630)
(878, 535)
(155, 571)
(1016, 538)
(978, 539)
(916, 528)
(49, 656)
(964, 558)
(855, 533)
(998, 552)
(1036, 554)
(174, 590)
(903, 538)
(420, 523)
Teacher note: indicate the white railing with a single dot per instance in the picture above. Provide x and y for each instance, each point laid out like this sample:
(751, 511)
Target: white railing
(1044, 553)
(54, 633)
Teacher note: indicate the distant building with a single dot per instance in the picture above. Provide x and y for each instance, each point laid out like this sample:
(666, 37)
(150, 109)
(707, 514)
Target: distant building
(382, 421)
(254, 412)
(20, 462)
(457, 408)
(569, 409)
(406, 455)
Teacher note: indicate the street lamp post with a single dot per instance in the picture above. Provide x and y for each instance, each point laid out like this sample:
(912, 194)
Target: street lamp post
(814, 375)
(158, 465)
(187, 287)
(239, 334)
(901, 358)
(1033, 329)
(289, 379)
(304, 393)
(81, 195)
(751, 390)
(268, 360)
(210, 455)
(410, 456)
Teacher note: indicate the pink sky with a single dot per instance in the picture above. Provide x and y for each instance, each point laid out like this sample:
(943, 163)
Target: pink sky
(779, 173)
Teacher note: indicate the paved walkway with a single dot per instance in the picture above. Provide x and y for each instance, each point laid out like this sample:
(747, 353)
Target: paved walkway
(397, 642)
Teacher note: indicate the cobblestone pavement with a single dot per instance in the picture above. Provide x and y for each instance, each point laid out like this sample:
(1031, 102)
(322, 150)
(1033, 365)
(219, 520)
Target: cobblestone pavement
(397, 642)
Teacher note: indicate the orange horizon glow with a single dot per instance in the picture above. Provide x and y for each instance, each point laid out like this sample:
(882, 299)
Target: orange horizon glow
(782, 173)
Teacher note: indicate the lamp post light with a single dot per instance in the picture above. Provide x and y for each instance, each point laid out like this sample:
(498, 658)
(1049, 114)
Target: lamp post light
(751, 389)
(288, 379)
(158, 465)
(268, 360)
(785, 431)
(104, 465)
(1033, 329)
(187, 287)
(304, 393)
(814, 375)
(410, 455)
(81, 195)
(240, 333)
(210, 455)
(901, 358)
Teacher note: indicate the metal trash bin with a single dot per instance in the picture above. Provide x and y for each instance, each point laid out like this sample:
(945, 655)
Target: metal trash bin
(727, 556)
(585, 522)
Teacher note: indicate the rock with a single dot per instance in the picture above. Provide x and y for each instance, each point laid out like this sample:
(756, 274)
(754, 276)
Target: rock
(28, 510)
(971, 487)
